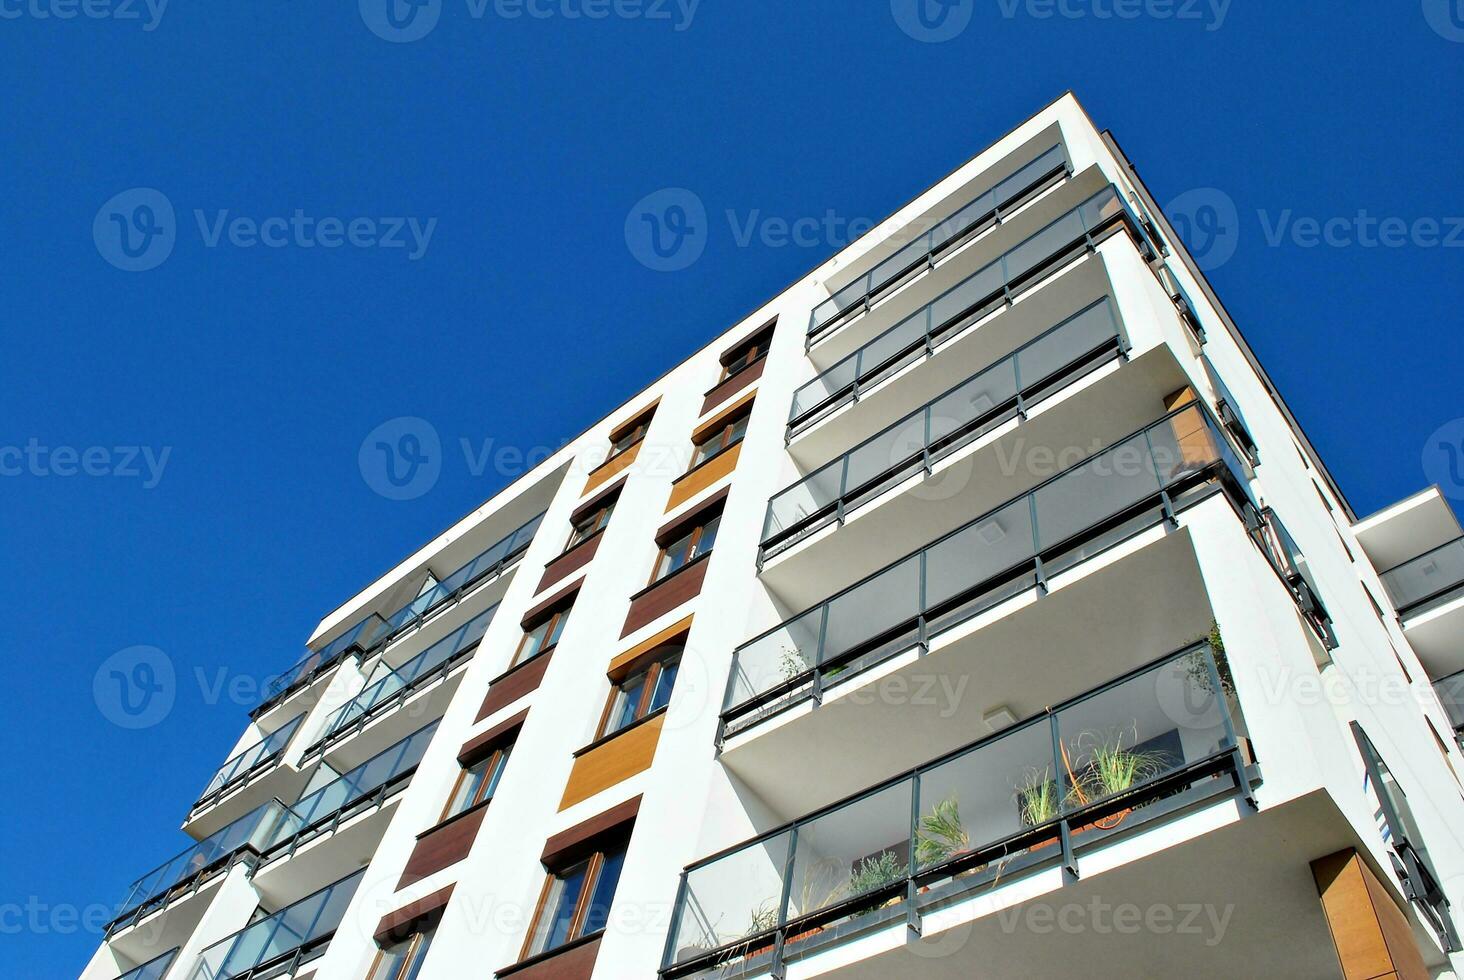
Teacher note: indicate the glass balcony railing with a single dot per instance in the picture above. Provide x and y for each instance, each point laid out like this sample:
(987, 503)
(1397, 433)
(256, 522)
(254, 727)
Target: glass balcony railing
(1451, 695)
(1070, 517)
(320, 810)
(489, 563)
(391, 684)
(1145, 745)
(212, 854)
(975, 297)
(956, 418)
(358, 639)
(985, 211)
(258, 756)
(1431, 576)
(278, 944)
(153, 969)
(1286, 557)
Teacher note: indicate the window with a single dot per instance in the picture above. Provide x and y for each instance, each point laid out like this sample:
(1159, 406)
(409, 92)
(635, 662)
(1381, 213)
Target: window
(576, 900)
(645, 690)
(718, 442)
(541, 637)
(747, 353)
(631, 432)
(584, 526)
(687, 547)
(478, 782)
(403, 960)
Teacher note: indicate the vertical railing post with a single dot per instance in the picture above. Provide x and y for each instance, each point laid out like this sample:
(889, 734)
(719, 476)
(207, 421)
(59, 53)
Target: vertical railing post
(1237, 758)
(912, 914)
(1017, 382)
(1038, 571)
(777, 971)
(1065, 836)
(1164, 498)
(823, 626)
(677, 904)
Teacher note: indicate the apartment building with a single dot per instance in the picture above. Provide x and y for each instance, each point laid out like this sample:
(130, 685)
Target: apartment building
(974, 607)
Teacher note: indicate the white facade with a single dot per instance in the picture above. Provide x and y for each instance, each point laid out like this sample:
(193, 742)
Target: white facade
(1219, 884)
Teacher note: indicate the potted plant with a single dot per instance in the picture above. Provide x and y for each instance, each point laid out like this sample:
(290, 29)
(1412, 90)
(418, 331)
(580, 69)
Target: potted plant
(942, 835)
(876, 872)
(1113, 768)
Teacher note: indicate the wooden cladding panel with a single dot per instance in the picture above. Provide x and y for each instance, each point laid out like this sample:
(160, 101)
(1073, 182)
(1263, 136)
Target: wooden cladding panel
(623, 662)
(676, 589)
(613, 761)
(612, 467)
(514, 685)
(570, 562)
(707, 475)
(482, 745)
(443, 846)
(569, 844)
(719, 421)
(574, 963)
(425, 911)
(731, 386)
(1369, 930)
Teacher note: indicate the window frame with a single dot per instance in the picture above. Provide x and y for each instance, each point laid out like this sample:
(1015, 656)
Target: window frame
(594, 865)
(649, 677)
(723, 436)
(555, 620)
(495, 762)
(590, 525)
(693, 551)
(631, 433)
(753, 348)
(419, 944)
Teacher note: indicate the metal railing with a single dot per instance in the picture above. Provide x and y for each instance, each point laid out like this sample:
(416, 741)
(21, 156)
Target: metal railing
(1147, 744)
(994, 395)
(1286, 557)
(1132, 485)
(985, 211)
(320, 811)
(186, 871)
(393, 684)
(1432, 575)
(995, 285)
(358, 639)
(241, 767)
(1450, 691)
(279, 943)
(153, 969)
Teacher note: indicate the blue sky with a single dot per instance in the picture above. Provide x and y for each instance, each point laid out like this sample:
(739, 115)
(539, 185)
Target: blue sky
(180, 445)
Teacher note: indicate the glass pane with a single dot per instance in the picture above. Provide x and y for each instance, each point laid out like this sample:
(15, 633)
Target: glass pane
(627, 700)
(853, 850)
(732, 898)
(665, 681)
(958, 408)
(784, 654)
(1436, 572)
(971, 292)
(872, 608)
(987, 795)
(598, 912)
(890, 450)
(976, 554)
(1115, 479)
(1054, 351)
(558, 914)
(708, 537)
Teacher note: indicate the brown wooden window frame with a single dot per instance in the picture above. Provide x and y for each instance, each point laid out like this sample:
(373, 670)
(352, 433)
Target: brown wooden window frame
(418, 945)
(594, 866)
(649, 677)
(692, 549)
(556, 620)
(728, 435)
(748, 352)
(495, 762)
(631, 433)
(591, 524)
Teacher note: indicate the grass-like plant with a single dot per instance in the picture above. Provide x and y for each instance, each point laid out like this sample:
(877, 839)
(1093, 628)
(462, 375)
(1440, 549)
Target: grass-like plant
(942, 835)
(1038, 800)
(1114, 768)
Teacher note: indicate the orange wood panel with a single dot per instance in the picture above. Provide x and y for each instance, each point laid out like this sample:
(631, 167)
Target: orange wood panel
(612, 762)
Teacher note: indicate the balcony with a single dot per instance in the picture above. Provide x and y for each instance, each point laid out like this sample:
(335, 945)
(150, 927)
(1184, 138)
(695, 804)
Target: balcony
(1018, 547)
(1450, 691)
(1147, 747)
(984, 212)
(191, 870)
(358, 640)
(993, 287)
(1428, 592)
(389, 687)
(279, 944)
(244, 770)
(153, 969)
(991, 398)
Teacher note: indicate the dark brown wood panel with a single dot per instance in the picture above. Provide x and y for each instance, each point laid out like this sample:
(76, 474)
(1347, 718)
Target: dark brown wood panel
(443, 845)
(566, 844)
(541, 610)
(425, 911)
(574, 962)
(570, 562)
(513, 685)
(597, 501)
(674, 590)
(703, 513)
(738, 382)
(482, 745)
